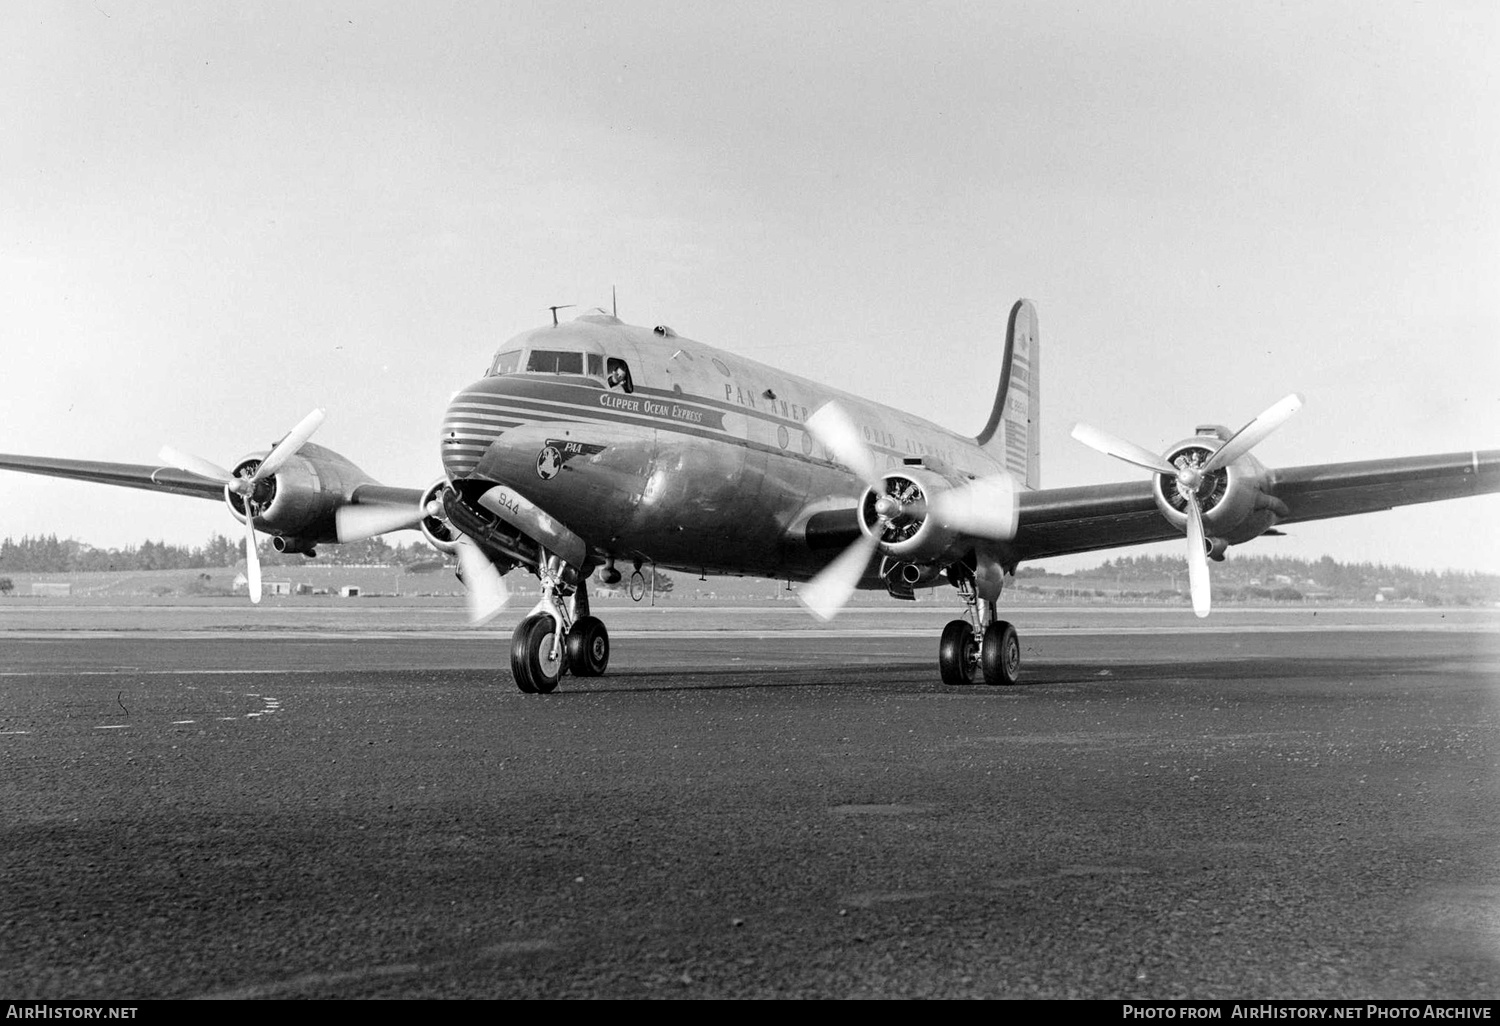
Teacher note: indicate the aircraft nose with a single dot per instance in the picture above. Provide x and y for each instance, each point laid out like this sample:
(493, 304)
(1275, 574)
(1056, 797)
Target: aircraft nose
(470, 425)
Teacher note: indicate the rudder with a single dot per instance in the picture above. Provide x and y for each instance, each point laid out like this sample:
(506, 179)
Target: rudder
(1013, 434)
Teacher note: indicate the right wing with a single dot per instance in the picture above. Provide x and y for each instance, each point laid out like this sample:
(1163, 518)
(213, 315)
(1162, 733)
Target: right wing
(125, 475)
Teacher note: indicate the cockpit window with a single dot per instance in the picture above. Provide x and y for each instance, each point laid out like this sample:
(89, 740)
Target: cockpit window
(551, 361)
(596, 365)
(619, 376)
(505, 363)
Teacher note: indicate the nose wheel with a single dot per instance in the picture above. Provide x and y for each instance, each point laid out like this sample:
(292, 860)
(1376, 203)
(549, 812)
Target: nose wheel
(588, 648)
(536, 659)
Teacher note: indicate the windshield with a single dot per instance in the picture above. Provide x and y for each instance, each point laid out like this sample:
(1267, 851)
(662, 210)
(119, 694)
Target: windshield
(505, 363)
(552, 361)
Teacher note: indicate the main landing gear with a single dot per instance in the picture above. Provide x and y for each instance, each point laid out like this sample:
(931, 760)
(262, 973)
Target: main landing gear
(557, 636)
(980, 644)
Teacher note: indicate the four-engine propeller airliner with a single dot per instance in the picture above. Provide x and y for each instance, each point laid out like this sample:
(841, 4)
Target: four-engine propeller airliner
(593, 443)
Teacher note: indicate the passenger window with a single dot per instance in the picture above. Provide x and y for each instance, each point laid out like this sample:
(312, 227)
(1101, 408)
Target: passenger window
(551, 361)
(505, 363)
(619, 375)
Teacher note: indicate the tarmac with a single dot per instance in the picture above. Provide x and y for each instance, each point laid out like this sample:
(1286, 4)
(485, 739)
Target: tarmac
(1264, 805)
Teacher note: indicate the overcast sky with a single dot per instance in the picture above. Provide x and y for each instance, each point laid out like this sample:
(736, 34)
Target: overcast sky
(215, 217)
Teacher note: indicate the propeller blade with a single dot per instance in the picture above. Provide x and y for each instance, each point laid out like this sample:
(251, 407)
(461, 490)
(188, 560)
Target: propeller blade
(193, 464)
(829, 592)
(356, 523)
(1249, 436)
(252, 558)
(486, 586)
(986, 508)
(833, 429)
(288, 446)
(1197, 559)
(1120, 449)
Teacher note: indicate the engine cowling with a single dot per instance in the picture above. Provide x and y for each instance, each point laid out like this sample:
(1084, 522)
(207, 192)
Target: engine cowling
(1234, 502)
(300, 500)
(920, 517)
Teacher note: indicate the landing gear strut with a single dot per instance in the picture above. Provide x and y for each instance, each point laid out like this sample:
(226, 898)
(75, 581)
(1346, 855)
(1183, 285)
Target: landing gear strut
(980, 644)
(558, 635)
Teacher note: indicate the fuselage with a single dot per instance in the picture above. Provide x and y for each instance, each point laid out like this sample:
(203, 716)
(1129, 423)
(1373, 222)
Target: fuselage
(659, 448)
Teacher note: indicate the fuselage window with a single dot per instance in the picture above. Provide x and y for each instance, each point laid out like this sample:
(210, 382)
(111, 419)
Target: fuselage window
(552, 361)
(505, 363)
(596, 365)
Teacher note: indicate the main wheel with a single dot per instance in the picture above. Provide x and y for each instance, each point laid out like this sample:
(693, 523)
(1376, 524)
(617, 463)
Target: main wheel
(531, 661)
(1000, 654)
(956, 653)
(588, 647)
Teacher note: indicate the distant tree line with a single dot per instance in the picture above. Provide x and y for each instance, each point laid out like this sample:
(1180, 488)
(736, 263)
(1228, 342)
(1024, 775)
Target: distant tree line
(1288, 579)
(50, 555)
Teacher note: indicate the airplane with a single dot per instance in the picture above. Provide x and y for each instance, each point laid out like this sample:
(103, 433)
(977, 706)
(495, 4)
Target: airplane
(593, 442)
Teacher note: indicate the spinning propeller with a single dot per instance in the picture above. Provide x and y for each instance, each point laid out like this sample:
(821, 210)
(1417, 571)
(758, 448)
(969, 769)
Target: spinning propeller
(248, 483)
(1190, 478)
(483, 582)
(356, 522)
(983, 508)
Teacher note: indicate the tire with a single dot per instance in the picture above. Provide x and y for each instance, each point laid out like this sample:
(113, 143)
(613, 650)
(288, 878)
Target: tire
(956, 654)
(530, 651)
(1000, 654)
(588, 648)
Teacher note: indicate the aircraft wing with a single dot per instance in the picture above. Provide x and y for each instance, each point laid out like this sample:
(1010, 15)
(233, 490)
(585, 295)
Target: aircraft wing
(1060, 521)
(126, 475)
(156, 478)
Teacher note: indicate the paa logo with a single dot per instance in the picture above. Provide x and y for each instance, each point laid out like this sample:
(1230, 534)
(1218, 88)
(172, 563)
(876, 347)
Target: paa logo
(548, 462)
(555, 455)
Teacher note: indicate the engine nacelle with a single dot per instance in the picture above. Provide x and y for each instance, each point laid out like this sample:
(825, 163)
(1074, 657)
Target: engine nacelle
(1233, 500)
(299, 501)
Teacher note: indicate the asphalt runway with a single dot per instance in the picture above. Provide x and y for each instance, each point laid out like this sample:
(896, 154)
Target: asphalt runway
(1262, 809)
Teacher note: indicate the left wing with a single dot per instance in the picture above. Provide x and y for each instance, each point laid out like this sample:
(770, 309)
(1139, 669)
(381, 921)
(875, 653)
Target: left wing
(1061, 521)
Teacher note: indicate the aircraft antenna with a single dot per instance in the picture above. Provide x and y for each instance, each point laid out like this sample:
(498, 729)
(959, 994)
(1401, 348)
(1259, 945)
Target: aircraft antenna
(554, 309)
(614, 303)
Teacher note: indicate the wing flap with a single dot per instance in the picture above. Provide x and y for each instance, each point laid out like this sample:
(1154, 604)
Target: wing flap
(1060, 521)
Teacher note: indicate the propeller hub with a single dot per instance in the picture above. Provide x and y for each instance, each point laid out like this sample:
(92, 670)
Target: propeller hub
(887, 508)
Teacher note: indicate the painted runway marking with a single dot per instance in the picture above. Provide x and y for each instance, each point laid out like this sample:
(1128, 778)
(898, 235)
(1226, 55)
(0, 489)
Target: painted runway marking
(113, 726)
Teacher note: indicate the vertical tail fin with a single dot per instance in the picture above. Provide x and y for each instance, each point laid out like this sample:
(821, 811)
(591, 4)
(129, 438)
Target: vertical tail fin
(1013, 434)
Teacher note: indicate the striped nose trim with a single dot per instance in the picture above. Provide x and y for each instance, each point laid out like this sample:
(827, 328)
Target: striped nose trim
(473, 421)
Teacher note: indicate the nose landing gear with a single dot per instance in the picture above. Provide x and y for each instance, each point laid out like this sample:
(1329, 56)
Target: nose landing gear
(558, 635)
